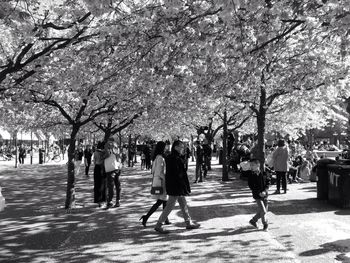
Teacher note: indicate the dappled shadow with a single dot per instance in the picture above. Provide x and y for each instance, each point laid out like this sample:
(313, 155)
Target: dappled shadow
(35, 227)
(340, 246)
(299, 206)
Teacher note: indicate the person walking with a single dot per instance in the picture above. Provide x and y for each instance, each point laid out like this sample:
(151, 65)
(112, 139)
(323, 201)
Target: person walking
(99, 176)
(87, 159)
(280, 158)
(158, 180)
(259, 183)
(177, 188)
(112, 168)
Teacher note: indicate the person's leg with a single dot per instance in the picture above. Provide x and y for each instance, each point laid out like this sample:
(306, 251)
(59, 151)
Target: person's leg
(77, 167)
(205, 169)
(168, 208)
(200, 172)
(284, 181)
(278, 181)
(167, 222)
(110, 190)
(97, 183)
(87, 167)
(116, 178)
(184, 208)
(261, 212)
(264, 216)
(197, 172)
(154, 208)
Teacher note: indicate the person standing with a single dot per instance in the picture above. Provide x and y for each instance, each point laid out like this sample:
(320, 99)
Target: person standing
(280, 158)
(199, 162)
(158, 180)
(21, 154)
(207, 157)
(259, 183)
(112, 168)
(99, 176)
(87, 159)
(78, 158)
(177, 187)
(147, 152)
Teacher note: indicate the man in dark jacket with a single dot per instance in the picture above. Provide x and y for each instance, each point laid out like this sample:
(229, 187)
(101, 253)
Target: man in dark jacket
(259, 183)
(177, 187)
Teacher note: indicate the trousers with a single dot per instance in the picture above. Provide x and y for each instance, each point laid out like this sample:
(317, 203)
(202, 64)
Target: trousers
(170, 206)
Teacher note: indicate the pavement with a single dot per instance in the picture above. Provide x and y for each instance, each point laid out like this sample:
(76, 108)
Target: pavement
(34, 227)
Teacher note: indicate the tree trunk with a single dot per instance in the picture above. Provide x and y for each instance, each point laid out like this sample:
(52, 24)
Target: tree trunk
(16, 149)
(192, 149)
(261, 123)
(224, 153)
(70, 195)
(135, 149)
(348, 111)
(129, 151)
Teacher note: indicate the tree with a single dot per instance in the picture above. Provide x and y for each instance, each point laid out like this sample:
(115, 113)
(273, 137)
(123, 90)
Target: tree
(31, 31)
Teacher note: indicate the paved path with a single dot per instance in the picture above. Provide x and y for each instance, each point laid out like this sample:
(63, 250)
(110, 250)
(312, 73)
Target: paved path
(35, 228)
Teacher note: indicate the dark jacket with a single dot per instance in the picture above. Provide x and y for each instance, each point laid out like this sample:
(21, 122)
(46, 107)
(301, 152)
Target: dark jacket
(176, 180)
(258, 182)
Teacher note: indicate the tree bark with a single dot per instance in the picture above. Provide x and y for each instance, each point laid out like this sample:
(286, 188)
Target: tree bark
(129, 149)
(261, 123)
(70, 194)
(224, 153)
(348, 111)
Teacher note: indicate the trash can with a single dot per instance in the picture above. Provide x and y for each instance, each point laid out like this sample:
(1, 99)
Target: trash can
(339, 185)
(322, 177)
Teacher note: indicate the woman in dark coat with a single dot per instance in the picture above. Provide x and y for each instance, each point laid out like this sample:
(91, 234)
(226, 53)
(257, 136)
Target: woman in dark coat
(177, 187)
(99, 176)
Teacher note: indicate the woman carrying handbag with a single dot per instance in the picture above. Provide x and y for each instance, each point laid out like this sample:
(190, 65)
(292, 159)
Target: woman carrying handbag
(158, 190)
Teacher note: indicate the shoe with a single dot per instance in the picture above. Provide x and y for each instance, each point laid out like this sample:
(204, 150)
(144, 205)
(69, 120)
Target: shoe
(265, 227)
(144, 220)
(253, 223)
(285, 191)
(192, 226)
(161, 230)
(167, 222)
(195, 182)
(117, 204)
(200, 181)
(277, 192)
(109, 204)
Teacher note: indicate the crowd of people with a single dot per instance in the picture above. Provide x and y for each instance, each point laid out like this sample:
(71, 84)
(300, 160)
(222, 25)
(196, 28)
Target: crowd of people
(169, 173)
(289, 161)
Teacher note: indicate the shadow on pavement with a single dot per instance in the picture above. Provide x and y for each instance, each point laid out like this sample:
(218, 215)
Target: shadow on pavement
(35, 228)
(340, 246)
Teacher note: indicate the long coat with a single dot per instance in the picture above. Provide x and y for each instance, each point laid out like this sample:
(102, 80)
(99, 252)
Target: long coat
(280, 159)
(158, 171)
(176, 179)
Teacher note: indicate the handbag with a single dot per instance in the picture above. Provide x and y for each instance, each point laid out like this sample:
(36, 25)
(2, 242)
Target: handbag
(111, 163)
(157, 190)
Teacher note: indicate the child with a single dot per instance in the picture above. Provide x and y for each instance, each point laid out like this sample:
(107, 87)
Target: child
(259, 183)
